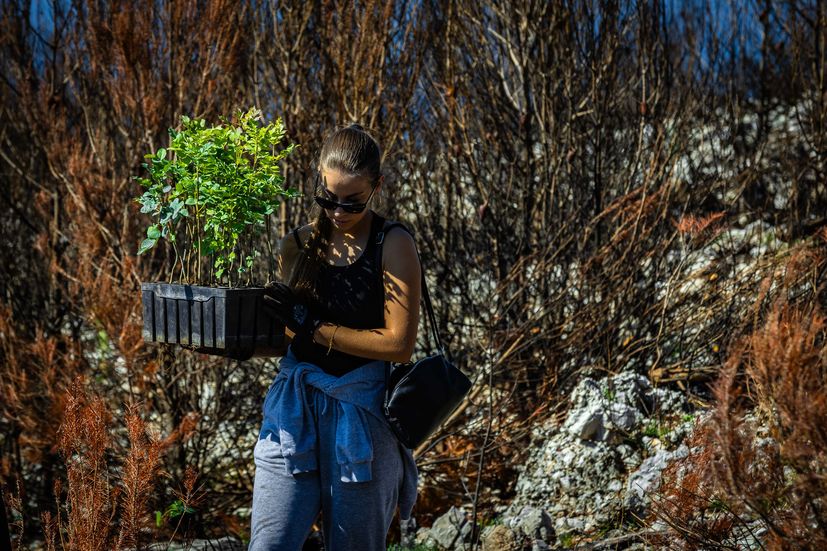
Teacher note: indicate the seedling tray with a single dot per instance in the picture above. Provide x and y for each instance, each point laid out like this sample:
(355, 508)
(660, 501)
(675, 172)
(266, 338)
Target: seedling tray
(222, 321)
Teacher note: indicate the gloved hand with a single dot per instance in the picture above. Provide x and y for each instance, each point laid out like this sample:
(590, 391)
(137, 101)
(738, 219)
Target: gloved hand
(281, 302)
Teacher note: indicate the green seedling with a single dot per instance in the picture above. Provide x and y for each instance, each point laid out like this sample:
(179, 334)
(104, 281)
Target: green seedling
(173, 510)
(212, 189)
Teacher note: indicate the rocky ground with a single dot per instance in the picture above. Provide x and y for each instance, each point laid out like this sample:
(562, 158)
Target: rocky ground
(587, 479)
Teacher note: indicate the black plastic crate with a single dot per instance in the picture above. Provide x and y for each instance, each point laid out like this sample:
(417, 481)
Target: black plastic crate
(215, 320)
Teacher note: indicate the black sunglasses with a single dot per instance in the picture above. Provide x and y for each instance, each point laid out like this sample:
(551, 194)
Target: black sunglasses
(353, 208)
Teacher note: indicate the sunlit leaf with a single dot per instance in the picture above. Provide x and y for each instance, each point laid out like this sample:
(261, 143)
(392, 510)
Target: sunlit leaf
(146, 244)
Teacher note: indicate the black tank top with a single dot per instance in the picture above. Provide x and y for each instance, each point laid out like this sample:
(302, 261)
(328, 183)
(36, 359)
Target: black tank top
(351, 296)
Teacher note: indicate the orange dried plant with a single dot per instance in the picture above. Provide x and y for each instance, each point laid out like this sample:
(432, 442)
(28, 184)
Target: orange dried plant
(98, 491)
(762, 454)
(697, 225)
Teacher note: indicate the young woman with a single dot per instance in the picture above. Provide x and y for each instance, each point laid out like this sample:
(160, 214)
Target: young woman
(324, 444)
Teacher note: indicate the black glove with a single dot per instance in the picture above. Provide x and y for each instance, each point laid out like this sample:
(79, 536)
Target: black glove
(283, 304)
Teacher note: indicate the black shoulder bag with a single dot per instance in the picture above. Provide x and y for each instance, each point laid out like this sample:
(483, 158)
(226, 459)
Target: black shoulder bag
(419, 396)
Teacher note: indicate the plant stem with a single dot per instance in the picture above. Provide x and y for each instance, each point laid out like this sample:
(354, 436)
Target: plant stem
(188, 253)
(271, 261)
(198, 226)
(175, 250)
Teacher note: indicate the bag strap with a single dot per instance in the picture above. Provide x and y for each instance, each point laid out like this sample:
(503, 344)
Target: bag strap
(296, 236)
(380, 237)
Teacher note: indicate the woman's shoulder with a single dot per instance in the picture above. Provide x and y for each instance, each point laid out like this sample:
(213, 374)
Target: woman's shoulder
(288, 250)
(398, 239)
(288, 241)
(396, 228)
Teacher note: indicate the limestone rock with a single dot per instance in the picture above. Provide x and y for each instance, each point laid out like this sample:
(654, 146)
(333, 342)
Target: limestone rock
(578, 473)
(450, 529)
(423, 539)
(500, 538)
(407, 530)
(646, 478)
(533, 523)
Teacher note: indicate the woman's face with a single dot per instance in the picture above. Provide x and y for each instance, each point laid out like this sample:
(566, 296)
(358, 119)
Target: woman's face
(343, 187)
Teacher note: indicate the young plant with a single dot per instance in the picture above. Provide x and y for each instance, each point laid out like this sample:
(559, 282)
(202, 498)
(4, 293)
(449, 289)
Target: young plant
(210, 193)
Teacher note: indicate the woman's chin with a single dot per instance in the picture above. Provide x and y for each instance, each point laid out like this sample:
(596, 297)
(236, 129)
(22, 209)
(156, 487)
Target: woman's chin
(340, 224)
(349, 224)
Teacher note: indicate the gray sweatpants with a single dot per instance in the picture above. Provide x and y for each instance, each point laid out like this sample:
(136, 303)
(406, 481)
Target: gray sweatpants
(355, 515)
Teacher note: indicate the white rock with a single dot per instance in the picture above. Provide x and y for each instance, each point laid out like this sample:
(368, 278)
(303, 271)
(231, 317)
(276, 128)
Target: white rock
(646, 479)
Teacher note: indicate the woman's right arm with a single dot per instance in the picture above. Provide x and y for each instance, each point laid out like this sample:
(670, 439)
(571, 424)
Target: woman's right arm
(288, 252)
(287, 256)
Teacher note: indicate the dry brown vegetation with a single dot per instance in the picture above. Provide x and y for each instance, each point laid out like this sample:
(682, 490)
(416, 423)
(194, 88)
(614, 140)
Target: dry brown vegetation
(758, 463)
(105, 480)
(563, 164)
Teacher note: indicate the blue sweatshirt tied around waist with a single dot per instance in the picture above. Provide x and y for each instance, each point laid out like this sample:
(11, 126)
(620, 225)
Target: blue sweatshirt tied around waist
(358, 393)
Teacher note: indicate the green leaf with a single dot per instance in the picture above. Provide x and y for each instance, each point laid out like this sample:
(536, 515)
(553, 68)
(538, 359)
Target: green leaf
(162, 154)
(148, 201)
(146, 244)
(159, 519)
(177, 205)
(175, 509)
(153, 232)
(166, 214)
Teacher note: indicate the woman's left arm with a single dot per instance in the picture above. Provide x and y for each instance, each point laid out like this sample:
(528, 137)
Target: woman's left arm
(402, 280)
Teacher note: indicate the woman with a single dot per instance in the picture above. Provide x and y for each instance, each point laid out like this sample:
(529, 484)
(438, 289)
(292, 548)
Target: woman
(324, 444)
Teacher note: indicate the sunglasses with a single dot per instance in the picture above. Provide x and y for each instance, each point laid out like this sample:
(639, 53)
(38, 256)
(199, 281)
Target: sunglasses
(352, 208)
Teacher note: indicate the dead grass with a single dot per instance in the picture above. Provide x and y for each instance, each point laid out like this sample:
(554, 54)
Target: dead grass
(759, 461)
